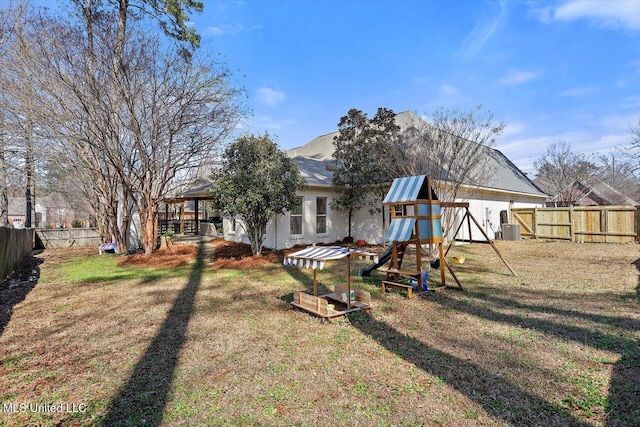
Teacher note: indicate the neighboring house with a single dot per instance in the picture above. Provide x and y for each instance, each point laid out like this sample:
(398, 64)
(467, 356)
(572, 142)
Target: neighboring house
(316, 222)
(597, 194)
(17, 212)
(57, 212)
(51, 211)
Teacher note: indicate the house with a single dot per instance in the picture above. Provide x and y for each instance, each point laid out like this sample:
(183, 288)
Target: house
(598, 193)
(17, 212)
(316, 222)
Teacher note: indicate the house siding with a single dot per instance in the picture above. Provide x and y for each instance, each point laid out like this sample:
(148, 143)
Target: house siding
(485, 207)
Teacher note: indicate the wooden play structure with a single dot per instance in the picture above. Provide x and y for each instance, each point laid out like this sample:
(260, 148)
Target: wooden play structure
(415, 220)
(469, 217)
(343, 300)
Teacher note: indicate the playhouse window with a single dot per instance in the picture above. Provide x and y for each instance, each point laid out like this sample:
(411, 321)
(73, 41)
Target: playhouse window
(400, 210)
(295, 225)
(321, 215)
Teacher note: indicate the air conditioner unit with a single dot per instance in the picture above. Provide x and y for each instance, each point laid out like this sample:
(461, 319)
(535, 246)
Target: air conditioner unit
(511, 232)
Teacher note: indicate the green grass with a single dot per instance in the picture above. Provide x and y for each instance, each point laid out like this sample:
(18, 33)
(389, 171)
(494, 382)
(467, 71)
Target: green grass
(105, 269)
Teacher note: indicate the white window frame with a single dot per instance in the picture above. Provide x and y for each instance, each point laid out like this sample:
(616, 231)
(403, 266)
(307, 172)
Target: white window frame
(325, 215)
(301, 215)
(233, 225)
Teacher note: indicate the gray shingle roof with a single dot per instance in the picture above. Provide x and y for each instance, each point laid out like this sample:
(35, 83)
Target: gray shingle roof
(315, 157)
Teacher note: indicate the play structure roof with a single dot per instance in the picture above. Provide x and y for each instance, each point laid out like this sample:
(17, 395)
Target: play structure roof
(408, 189)
(315, 256)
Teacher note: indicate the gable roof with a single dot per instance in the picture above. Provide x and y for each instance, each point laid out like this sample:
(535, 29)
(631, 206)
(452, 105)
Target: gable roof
(314, 160)
(599, 193)
(408, 189)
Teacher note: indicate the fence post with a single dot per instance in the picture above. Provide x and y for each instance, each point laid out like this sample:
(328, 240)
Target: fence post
(637, 223)
(535, 223)
(572, 229)
(604, 223)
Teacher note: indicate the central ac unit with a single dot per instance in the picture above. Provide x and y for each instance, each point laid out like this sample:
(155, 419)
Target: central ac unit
(511, 232)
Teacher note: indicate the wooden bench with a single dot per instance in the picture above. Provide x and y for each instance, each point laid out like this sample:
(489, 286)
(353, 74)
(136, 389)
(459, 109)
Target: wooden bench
(389, 284)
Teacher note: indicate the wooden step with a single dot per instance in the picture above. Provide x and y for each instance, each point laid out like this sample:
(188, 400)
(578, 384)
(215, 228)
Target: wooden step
(410, 273)
(388, 284)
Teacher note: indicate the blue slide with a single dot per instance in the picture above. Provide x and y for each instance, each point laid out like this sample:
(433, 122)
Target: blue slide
(382, 259)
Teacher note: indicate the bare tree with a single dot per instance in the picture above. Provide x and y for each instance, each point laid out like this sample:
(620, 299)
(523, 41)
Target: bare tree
(139, 131)
(560, 168)
(453, 148)
(634, 147)
(616, 169)
(9, 44)
(132, 115)
(177, 112)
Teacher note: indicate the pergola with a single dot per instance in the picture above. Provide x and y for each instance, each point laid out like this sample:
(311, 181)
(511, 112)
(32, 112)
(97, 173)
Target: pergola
(198, 191)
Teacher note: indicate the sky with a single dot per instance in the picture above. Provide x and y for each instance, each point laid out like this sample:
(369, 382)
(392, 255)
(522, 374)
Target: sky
(552, 71)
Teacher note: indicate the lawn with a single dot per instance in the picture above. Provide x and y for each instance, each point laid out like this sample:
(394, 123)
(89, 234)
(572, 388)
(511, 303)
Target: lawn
(98, 342)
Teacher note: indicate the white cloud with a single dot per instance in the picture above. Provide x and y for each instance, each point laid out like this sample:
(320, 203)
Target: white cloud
(270, 97)
(609, 14)
(224, 30)
(484, 29)
(518, 77)
(448, 90)
(577, 92)
(512, 129)
(228, 30)
(260, 123)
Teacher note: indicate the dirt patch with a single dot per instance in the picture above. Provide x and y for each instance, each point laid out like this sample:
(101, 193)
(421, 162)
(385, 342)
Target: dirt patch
(172, 257)
(236, 255)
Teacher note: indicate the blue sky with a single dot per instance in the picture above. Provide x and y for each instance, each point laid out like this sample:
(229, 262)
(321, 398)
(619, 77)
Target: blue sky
(551, 71)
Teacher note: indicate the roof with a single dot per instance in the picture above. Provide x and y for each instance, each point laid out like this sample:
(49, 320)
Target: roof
(315, 159)
(315, 256)
(17, 206)
(199, 189)
(613, 196)
(599, 192)
(408, 189)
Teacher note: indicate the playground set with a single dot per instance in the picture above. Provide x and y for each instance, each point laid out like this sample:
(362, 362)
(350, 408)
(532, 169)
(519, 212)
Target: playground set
(415, 221)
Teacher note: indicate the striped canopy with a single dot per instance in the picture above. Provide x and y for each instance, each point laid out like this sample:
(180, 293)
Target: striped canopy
(400, 230)
(315, 256)
(405, 189)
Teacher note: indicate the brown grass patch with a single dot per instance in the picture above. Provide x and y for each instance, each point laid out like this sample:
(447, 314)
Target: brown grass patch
(174, 256)
(235, 255)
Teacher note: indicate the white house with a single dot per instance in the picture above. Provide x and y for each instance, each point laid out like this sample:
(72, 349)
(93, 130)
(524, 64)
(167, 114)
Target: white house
(316, 222)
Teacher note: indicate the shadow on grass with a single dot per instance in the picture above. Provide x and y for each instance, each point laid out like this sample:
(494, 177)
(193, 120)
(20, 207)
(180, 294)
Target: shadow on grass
(617, 321)
(142, 400)
(497, 396)
(306, 280)
(624, 388)
(623, 404)
(15, 288)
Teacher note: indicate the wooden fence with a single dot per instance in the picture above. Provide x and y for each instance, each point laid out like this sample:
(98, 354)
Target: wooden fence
(15, 244)
(67, 237)
(604, 224)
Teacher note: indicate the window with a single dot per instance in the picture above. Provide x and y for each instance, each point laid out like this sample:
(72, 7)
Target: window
(321, 215)
(295, 226)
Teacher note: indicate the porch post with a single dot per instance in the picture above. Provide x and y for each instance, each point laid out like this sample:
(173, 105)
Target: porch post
(196, 216)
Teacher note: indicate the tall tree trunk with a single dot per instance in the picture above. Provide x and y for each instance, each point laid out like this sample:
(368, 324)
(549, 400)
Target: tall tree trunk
(4, 200)
(149, 225)
(30, 192)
